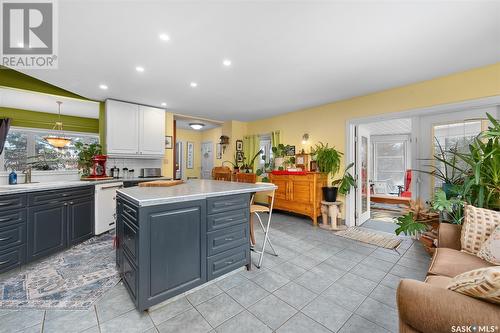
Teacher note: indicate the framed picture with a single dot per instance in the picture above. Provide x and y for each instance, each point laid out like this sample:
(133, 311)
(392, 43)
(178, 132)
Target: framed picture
(239, 145)
(313, 166)
(302, 161)
(218, 151)
(168, 142)
(239, 156)
(190, 155)
(290, 151)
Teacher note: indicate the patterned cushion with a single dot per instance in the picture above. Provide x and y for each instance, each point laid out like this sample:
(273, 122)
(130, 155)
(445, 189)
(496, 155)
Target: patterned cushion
(490, 251)
(479, 224)
(483, 283)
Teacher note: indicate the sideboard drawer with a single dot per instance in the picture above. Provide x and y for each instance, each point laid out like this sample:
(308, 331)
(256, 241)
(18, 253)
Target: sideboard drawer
(225, 239)
(12, 217)
(10, 202)
(12, 258)
(227, 219)
(13, 235)
(228, 203)
(228, 261)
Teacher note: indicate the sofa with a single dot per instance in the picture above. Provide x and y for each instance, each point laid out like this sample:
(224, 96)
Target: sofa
(429, 307)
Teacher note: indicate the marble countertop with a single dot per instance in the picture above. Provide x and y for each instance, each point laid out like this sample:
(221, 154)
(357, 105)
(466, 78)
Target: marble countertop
(191, 190)
(44, 186)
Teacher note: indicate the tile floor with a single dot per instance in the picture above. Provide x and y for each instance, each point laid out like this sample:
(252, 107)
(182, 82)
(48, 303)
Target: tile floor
(319, 283)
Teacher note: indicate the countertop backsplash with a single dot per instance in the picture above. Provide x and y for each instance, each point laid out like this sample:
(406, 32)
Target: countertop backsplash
(72, 175)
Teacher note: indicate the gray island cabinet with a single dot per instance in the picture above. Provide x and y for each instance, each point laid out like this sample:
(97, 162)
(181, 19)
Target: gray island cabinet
(173, 239)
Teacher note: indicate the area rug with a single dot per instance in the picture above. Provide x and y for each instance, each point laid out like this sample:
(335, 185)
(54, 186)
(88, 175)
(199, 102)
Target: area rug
(377, 238)
(73, 279)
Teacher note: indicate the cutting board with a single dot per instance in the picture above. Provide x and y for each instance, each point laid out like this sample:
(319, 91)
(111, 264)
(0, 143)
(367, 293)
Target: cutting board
(161, 183)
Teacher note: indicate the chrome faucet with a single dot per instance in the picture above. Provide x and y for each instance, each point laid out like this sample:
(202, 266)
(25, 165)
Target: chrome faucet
(27, 175)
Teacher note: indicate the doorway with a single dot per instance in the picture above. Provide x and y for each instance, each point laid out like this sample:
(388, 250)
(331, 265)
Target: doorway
(207, 159)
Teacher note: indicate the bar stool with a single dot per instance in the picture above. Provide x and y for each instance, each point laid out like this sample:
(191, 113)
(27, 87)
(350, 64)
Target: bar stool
(257, 210)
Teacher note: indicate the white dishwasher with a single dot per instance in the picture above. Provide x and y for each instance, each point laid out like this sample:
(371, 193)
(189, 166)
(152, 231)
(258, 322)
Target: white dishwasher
(105, 206)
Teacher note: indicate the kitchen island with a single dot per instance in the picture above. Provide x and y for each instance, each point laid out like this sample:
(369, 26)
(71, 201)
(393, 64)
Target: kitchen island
(172, 239)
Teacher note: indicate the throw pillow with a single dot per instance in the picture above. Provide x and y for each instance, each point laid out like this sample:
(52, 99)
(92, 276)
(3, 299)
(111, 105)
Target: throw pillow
(490, 250)
(483, 283)
(479, 224)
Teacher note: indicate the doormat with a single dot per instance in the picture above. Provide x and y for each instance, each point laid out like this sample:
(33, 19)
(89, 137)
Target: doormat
(73, 279)
(381, 239)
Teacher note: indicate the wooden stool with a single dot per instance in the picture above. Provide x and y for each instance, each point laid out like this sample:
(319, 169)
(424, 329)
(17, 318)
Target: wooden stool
(332, 210)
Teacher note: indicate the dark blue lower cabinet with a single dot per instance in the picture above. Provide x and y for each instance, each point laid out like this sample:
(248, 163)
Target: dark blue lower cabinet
(165, 252)
(47, 230)
(80, 219)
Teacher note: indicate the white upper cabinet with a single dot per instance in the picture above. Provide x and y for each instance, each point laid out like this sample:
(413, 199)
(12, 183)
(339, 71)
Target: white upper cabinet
(151, 131)
(134, 130)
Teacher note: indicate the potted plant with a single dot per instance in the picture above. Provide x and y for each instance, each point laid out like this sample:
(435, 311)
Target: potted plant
(85, 154)
(345, 183)
(279, 154)
(248, 167)
(328, 160)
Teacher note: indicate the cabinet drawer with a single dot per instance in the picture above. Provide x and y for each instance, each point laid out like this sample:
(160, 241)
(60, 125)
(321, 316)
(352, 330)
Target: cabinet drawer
(130, 240)
(130, 276)
(44, 197)
(225, 239)
(227, 203)
(10, 202)
(12, 258)
(12, 217)
(228, 261)
(227, 219)
(130, 212)
(13, 235)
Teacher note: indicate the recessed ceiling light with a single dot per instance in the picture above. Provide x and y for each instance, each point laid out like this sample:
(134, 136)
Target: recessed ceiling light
(196, 126)
(226, 62)
(163, 104)
(193, 84)
(140, 69)
(164, 37)
(103, 87)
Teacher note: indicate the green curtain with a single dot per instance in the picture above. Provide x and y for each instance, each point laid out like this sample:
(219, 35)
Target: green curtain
(251, 145)
(275, 138)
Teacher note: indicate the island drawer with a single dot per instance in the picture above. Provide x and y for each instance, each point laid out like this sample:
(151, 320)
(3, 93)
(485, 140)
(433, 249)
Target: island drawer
(228, 238)
(10, 202)
(130, 239)
(53, 196)
(228, 261)
(130, 212)
(12, 217)
(227, 219)
(13, 235)
(11, 258)
(227, 203)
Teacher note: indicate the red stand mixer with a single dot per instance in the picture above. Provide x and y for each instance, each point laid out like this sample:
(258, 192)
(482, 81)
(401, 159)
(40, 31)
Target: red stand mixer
(98, 167)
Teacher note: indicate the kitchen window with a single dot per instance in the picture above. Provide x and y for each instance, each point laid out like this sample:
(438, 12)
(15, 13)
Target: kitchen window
(390, 158)
(26, 146)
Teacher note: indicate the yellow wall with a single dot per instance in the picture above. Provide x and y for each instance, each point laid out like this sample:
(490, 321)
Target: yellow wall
(195, 137)
(327, 123)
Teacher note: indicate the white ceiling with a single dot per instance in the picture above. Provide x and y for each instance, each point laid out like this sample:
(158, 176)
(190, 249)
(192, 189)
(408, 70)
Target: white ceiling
(26, 100)
(285, 55)
(183, 123)
(390, 126)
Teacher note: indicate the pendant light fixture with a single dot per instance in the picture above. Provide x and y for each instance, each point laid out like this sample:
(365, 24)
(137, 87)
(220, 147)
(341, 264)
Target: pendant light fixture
(58, 140)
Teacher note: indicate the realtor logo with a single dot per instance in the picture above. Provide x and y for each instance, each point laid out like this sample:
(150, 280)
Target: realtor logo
(29, 34)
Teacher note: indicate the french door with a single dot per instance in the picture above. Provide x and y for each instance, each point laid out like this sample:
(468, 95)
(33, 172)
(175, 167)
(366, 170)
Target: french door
(362, 175)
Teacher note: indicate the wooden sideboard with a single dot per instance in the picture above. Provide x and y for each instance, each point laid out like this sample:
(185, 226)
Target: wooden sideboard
(300, 194)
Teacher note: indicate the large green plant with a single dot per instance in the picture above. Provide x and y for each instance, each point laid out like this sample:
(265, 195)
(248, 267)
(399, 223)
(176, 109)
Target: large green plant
(85, 154)
(327, 158)
(346, 182)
